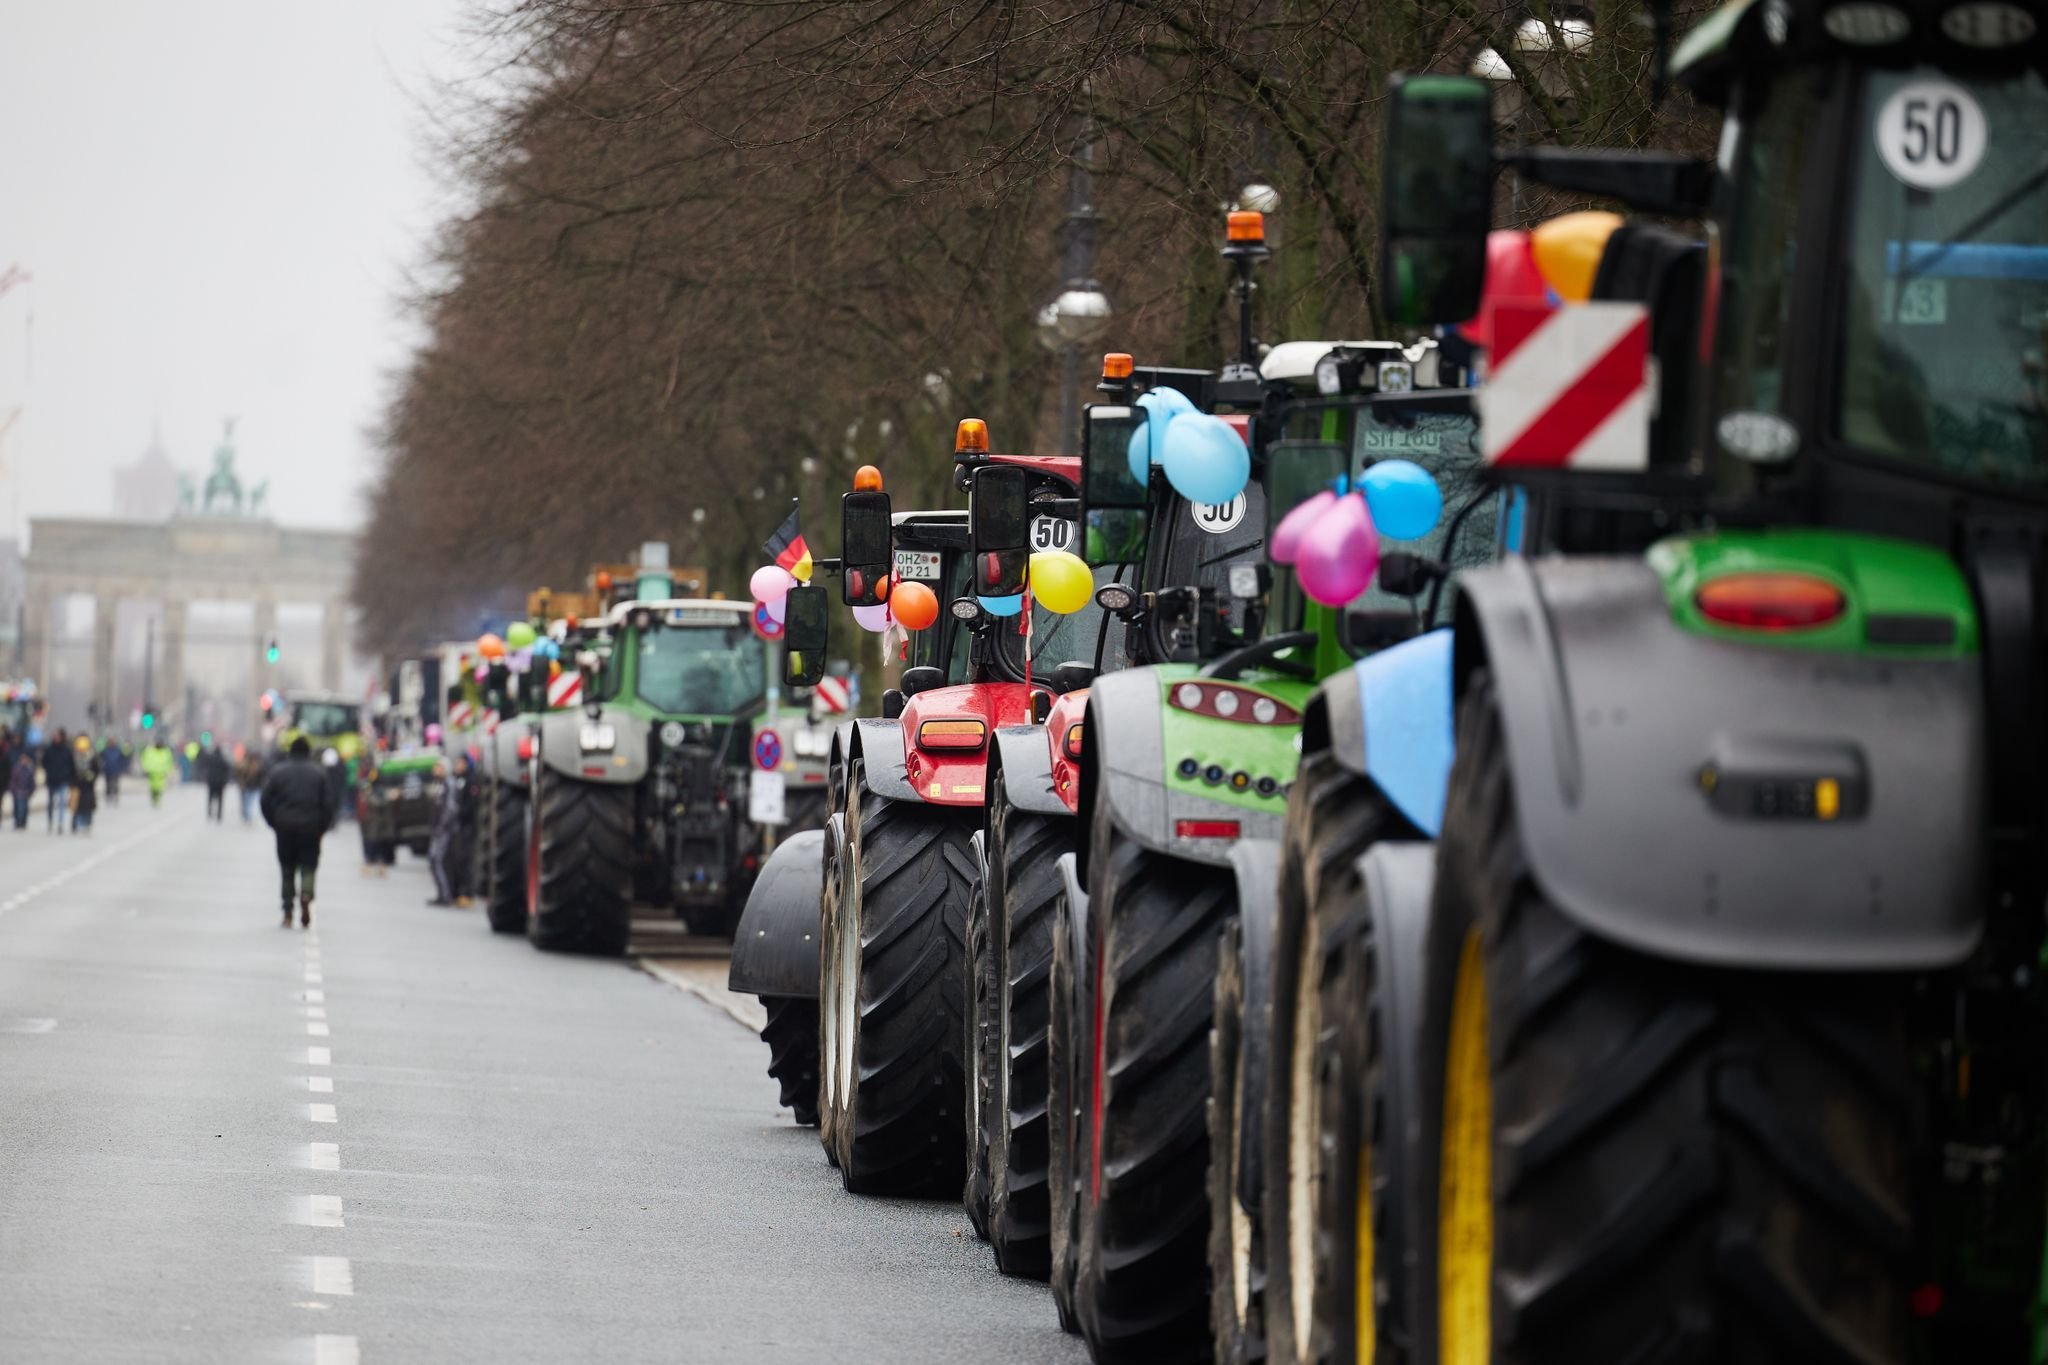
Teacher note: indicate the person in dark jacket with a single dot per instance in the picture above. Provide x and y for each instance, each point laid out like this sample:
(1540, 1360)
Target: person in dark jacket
(299, 805)
(213, 768)
(85, 792)
(60, 769)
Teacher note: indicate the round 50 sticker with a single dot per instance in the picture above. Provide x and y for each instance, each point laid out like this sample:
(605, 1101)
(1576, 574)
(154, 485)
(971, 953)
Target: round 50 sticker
(1052, 533)
(1218, 517)
(1931, 134)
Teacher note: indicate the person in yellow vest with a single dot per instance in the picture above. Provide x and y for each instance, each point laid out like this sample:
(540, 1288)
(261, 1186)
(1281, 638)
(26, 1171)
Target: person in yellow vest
(156, 770)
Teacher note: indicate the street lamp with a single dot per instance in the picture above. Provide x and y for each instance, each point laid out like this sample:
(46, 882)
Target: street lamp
(1081, 312)
(1259, 197)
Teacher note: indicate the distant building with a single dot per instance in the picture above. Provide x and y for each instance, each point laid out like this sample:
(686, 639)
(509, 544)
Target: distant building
(13, 593)
(148, 489)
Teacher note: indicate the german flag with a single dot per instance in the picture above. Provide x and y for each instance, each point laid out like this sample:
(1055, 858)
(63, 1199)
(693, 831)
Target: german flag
(786, 547)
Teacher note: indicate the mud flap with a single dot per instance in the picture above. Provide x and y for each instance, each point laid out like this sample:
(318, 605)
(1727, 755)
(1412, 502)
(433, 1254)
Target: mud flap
(775, 947)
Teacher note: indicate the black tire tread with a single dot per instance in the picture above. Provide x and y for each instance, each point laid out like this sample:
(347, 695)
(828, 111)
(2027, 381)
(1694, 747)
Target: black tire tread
(505, 907)
(586, 834)
(791, 1033)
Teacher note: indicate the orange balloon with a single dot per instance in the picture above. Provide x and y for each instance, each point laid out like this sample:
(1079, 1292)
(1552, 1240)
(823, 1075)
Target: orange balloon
(914, 605)
(490, 646)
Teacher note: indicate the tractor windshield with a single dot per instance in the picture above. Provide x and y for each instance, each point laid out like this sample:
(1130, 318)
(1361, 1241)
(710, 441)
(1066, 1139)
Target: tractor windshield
(1440, 433)
(325, 717)
(700, 670)
(1945, 341)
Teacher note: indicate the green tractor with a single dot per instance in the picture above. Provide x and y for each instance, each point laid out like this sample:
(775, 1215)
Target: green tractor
(1709, 1027)
(1183, 779)
(396, 803)
(639, 792)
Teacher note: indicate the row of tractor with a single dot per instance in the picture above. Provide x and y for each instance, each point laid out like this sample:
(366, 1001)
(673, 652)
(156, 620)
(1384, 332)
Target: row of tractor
(1525, 844)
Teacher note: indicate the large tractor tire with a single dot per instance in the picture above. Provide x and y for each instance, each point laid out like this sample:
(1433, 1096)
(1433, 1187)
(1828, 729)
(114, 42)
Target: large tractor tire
(1021, 884)
(978, 1048)
(1333, 817)
(895, 967)
(1141, 1268)
(579, 866)
(829, 1069)
(792, 1037)
(1641, 1159)
(1236, 1256)
(1063, 1054)
(506, 906)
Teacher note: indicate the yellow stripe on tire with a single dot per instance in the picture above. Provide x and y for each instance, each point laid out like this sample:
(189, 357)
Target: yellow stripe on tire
(1465, 1190)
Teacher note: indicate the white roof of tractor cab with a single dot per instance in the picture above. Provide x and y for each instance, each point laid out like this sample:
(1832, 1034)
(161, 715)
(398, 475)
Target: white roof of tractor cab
(670, 607)
(1294, 362)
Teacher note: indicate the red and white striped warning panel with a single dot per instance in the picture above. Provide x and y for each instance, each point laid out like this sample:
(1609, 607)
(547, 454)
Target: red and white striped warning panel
(460, 714)
(1568, 388)
(565, 688)
(831, 695)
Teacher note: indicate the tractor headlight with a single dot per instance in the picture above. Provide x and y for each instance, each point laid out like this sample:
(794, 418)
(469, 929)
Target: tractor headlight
(671, 734)
(810, 745)
(1867, 23)
(1988, 25)
(597, 737)
(1329, 377)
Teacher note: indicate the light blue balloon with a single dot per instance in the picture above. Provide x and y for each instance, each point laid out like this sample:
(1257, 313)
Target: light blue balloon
(1404, 499)
(1002, 606)
(1162, 407)
(1205, 459)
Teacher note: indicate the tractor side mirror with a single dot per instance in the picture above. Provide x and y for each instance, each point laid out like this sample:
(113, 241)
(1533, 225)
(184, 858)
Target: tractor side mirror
(999, 522)
(922, 679)
(865, 543)
(1114, 496)
(805, 631)
(1436, 198)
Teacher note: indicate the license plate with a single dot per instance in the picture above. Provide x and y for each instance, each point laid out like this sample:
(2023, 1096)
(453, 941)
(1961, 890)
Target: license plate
(412, 787)
(922, 564)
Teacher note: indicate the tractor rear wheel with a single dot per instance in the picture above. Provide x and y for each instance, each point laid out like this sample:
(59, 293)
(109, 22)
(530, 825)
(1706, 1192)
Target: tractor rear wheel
(792, 1037)
(978, 1050)
(1644, 1159)
(506, 908)
(1333, 817)
(1236, 1261)
(1142, 1265)
(582, 850)
(1063, 1028)
(898, 949)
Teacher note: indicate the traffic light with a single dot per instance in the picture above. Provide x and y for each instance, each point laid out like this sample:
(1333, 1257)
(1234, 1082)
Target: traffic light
(270, 654)
(149, 720)
(206, 737)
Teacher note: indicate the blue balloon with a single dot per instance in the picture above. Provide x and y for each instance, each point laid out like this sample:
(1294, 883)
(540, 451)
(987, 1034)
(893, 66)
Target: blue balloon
(1002, 606)
(1404, 500)
(1205, 459)
(1162, 407)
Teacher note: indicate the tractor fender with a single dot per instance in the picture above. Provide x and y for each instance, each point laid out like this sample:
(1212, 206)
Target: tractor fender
(1255, 864)
(1396, 727)
(1076, 893)
(1127, 754)
(1024, 754)
(502, 752)
(1652, 769)
(775, 946)
(1399, 879)
(561, 749)
(879, 746)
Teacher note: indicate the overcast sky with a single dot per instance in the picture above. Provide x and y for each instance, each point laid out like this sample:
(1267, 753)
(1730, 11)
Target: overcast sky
(218, 201)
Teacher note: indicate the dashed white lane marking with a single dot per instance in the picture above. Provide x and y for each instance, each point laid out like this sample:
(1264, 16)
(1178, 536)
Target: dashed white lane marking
(324, 1210)
(320, 1085)
(331, 1275)
(27, 1025)
(323, 1156)
(321, 1113)
(21, 898)
(332, 1350)
(316, 997)
(316, 1011)
(316, 1029)
(319, 1056)
(313, 978)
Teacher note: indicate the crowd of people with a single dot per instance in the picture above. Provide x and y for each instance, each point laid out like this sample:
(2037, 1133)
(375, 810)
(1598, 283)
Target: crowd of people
(73, 774)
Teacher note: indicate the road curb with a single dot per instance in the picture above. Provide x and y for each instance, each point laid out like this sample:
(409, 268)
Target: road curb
(705, 979)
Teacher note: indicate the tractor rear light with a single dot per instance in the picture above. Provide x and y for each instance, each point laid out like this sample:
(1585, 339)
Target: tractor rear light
(1073, 741)
(1205, 829)
(525, 748)
(951, 734)
(1770, 601)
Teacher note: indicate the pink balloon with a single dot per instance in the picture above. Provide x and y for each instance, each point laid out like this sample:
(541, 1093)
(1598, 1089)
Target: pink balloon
(874, 618)
(771, 583)
(1511, 277)
(1337, 557)
(777, 609)
(1287, 535)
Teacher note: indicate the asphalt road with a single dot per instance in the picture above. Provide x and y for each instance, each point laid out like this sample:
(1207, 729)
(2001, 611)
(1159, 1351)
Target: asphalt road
(401, 1138)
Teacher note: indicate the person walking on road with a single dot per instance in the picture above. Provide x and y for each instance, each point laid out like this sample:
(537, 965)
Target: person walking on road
(213, 767)
(249, 779)
(21, 785)
(85, 796)
(442, 843)
(113, 762)
(299, 805)
(157, 763)
(60, 770)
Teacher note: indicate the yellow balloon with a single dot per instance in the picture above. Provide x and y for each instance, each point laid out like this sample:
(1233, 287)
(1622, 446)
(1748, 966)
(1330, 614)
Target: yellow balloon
(1060, 581)
(1568, 250)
